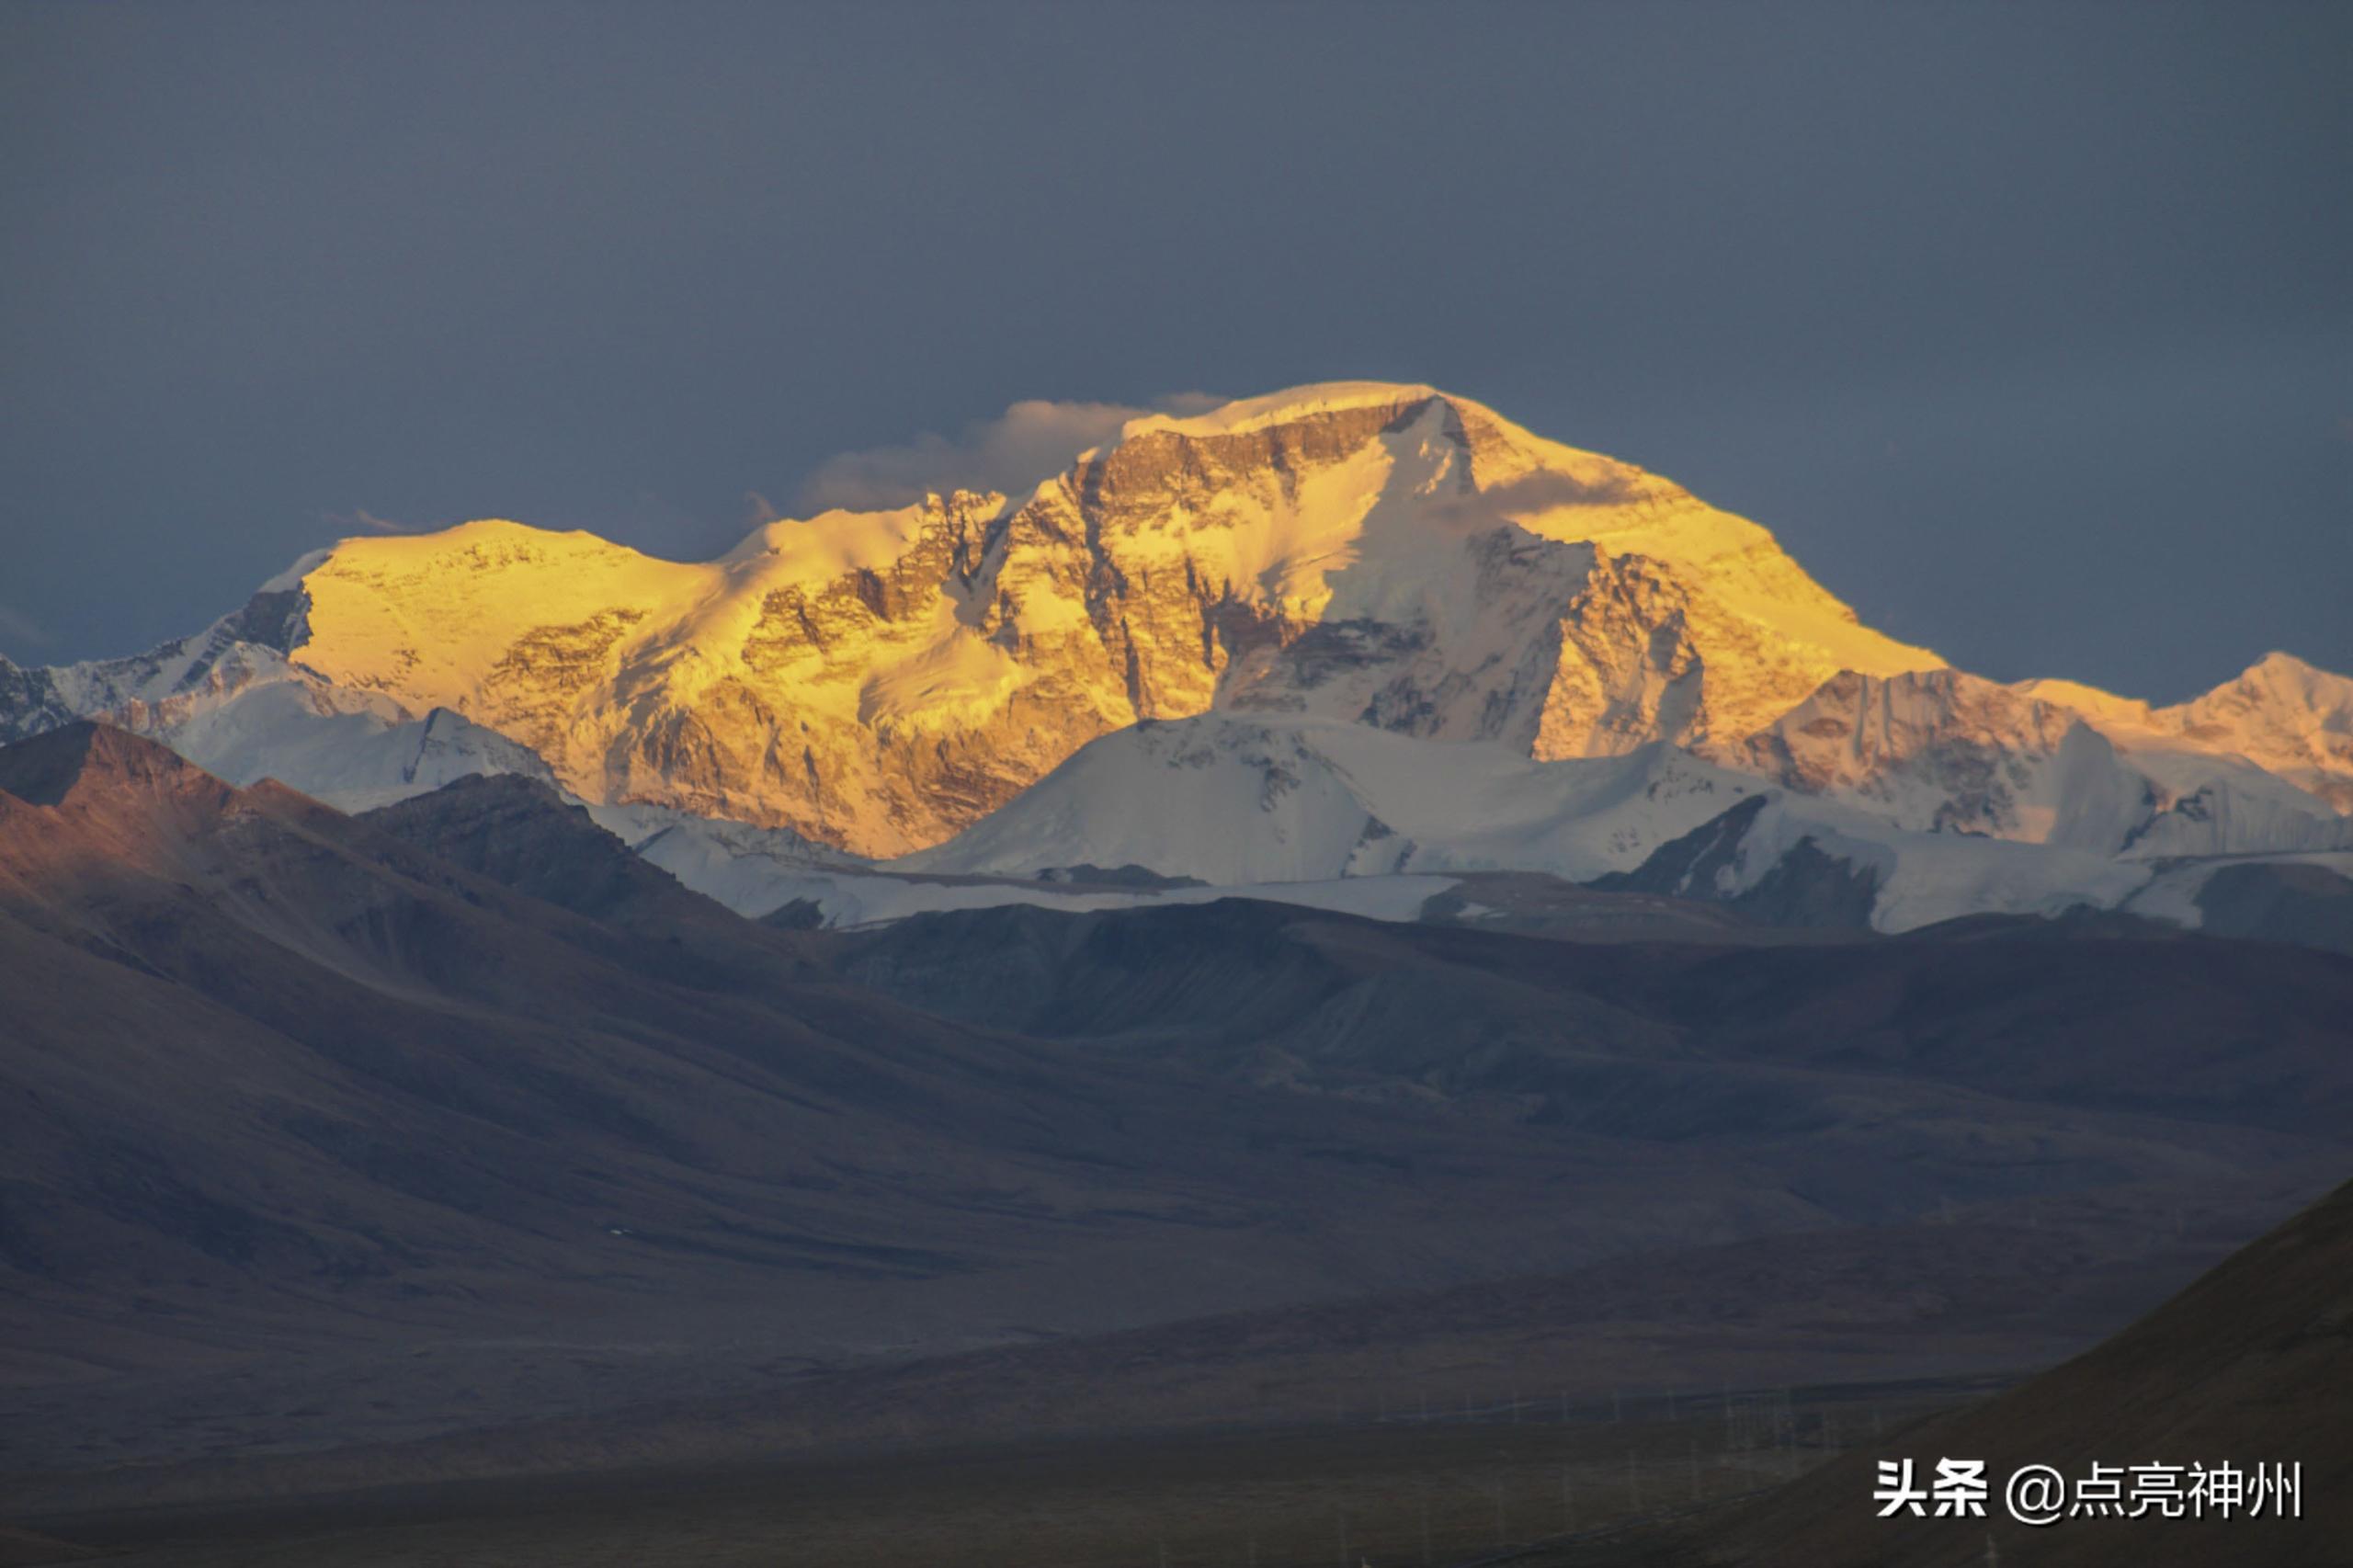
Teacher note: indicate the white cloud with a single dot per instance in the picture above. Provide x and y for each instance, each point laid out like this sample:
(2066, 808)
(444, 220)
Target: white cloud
(22, 629)
(1030, 442)
(360, 520)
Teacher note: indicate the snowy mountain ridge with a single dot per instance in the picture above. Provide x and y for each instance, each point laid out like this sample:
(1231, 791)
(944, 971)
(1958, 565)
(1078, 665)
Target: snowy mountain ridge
(1243, 626)
(878, 680)
(1232, 798)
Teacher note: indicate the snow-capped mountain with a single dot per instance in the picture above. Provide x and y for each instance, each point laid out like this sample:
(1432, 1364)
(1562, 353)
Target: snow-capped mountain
(231, 702)
(2282, 715)
(1357, 629)
(1369, 552)
(1944, 751)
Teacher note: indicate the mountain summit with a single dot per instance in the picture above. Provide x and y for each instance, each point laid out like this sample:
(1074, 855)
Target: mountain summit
(1377, 554)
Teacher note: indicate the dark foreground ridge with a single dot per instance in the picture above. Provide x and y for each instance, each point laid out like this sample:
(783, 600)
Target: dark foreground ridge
(2248, 1365)
(455, 1143)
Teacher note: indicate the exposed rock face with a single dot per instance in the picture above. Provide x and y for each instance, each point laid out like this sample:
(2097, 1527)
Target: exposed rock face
(28, 702)
(153, 690)
(1935, 750)
(2047, 763)
(1804, 887)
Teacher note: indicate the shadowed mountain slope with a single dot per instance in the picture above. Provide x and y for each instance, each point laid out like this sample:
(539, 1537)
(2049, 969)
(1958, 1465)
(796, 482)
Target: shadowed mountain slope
(272, 1043)
(341, 1134)
(274, 1076)
(520, 834)
(2024, 1012)
(2248, 1365)
(248, 1027)
(2276, 903)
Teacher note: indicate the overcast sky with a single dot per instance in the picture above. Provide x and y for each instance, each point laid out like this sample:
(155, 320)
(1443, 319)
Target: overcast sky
(2027, 329)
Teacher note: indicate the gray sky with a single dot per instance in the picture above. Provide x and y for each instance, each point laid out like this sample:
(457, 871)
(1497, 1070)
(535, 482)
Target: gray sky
(2027, 329)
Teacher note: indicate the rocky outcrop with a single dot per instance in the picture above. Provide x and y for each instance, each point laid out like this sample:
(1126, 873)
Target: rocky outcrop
(29, 702)
(1937, 750)
(2041, 762)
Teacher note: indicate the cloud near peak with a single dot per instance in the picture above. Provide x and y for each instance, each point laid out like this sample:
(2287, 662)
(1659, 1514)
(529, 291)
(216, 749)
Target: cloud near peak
(21, 630)
(361, 520)
(1028, 443)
